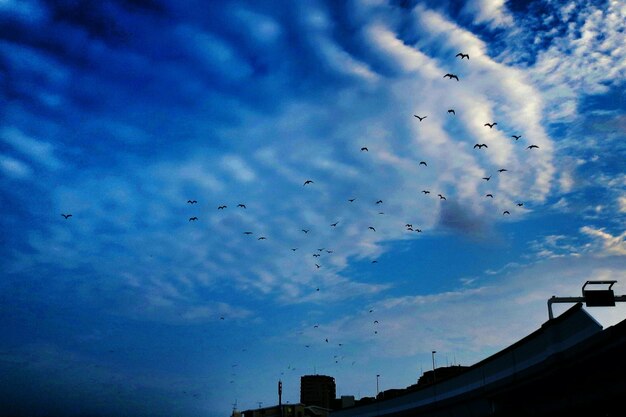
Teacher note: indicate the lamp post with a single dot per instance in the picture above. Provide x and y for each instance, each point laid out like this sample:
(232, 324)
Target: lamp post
(433, 355)
(377, 376)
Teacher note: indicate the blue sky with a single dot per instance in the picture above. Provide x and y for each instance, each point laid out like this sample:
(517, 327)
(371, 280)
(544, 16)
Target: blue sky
(120, 112)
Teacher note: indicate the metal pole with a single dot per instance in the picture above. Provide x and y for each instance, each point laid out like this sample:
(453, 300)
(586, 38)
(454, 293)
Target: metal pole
(377, 376)
(433, 355)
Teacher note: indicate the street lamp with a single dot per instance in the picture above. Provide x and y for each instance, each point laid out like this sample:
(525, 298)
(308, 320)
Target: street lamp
(433, 355)
(377, 376)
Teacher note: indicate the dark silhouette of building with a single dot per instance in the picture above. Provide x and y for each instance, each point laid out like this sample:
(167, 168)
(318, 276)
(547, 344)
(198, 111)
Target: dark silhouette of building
(319, 390)
(570, 366)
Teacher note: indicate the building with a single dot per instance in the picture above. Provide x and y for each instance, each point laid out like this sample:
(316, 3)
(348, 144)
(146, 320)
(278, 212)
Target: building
(319, 390)
(570, 366)
(288, 410)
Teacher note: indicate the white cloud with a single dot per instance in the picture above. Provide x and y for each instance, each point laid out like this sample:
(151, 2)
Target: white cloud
(588, 59)
(491, 12)
(37, 150)
(609, 244)
(15, 168)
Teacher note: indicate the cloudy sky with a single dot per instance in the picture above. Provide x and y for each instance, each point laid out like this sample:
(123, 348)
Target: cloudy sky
(120, 112)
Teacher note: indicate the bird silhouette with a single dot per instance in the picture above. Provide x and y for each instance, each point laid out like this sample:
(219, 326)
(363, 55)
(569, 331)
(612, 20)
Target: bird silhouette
(318, 267)
(451, 111)
(193, 219)
(375, 321)
(371, 228)
(364, 149)
(487, 178)
(241, 205)
(294, 249)
(334, 224)
(502, 170)
(221, 207)
(418, 230)
(480, 145)
(451, 76)
(410, 229)
(516, 136)
(408, 225)
(505, 212)
(423, 163)
(305, 230)
(421, 118)
(379, 202)
(351, 200)
(441, 197)
(191, 201)
(307, 182)
(316, 255)
(247, 233)
(426, 191)
(262, 238)
(66, 216)
(320, 249)
(532, 146)
(489, 195)
(520, 204)
(374, 262)
(462, 55)
(491, 125)
(329, 251)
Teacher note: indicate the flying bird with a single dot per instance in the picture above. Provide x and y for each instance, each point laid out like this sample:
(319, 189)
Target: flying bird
(489, 195)
(316, 255)
(418, 230)
(423, 163)
(502, 170)
(247, 233)
(487, 178)
(329, 251)
(241, 205)
(321, 249)
(480, 145)
(191, 201)
(193, 219)
(451, 76)
(364, 149)
(520, 204)
(66, 216)
(408, 225)
(421, 118)
(451, 111)
(462, 55)
(491, 125)
(334, 224)
(374, 261)
(318, 267)
(426, 191)
(505, 212)
(221, 207)
(294, 249)
(351, 200)
(441, 197)
(532, 146)
(307, 182)
(379, 202)
(262, 238)
(375, 321)
(516, 136)
(305, 230)
(371, 228)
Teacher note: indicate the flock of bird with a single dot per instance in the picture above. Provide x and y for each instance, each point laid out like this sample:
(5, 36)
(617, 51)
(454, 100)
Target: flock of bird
(317, 255)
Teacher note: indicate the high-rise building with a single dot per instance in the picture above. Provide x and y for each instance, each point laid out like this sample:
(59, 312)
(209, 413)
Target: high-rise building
(317, 390)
